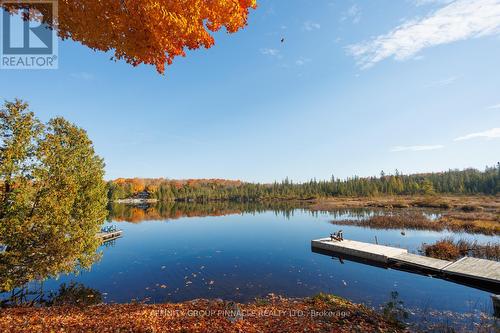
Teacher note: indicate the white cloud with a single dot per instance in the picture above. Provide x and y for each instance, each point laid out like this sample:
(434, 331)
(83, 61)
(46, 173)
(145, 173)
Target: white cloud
(353, 14)
(428, 2)
(310, 26)
(497, 106)
(416, 148)
(270, 52)
(302, 61)
(442, 82)
(489, 134)
(82, 76)
(459, 20)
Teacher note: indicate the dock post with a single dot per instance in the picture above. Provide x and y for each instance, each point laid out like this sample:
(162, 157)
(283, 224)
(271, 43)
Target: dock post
(496, 305)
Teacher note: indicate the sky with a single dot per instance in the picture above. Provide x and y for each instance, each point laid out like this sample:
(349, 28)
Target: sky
(355, 88)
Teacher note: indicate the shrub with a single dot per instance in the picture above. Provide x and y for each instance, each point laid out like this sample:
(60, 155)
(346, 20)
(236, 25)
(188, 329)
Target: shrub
(444, 249)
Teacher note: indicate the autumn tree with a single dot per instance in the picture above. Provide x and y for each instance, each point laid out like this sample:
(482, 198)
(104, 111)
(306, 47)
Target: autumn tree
(137, 185)
(468, 181)
(53, 197)
(143, 31)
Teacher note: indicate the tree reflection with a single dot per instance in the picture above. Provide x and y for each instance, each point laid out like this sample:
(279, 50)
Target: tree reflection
(71, 294)
(74, 294)
(45, 254)
(176, 210)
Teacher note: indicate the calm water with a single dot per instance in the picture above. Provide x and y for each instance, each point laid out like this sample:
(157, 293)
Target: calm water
(169, 257)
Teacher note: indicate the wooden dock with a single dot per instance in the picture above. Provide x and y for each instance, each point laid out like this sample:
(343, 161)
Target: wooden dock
(487, 270)
(107, 236)
(473, 270)
(422, 262)
(362, 250)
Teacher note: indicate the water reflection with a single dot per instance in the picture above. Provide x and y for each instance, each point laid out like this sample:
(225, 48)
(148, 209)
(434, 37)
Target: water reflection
(42, 254)
(236, 251)
(177, 210)
(72, 294)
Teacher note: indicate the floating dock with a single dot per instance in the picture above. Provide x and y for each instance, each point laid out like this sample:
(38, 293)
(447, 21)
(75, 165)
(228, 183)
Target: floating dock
(476, 272)
(107, 236)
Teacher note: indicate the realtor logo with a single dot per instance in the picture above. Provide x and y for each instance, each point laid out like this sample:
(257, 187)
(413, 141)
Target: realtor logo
(27, 40)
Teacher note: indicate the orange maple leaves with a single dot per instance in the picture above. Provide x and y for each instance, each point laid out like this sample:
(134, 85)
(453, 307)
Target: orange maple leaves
(148, 31)
(272, 314)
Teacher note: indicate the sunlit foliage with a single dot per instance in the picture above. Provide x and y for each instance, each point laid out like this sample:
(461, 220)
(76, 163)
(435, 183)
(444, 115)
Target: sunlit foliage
(52, 198)
(469, 181)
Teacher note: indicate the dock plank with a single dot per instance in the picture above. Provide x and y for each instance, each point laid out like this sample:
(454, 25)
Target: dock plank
(421, 261)
(475, 268)
(380, 253)
(109, 235)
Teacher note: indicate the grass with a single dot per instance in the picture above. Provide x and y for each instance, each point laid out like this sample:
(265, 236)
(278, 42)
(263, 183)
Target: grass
(418, 221)
(484, 222)
(403, 219)
(432, 202)
(449, 249)
(444, 202)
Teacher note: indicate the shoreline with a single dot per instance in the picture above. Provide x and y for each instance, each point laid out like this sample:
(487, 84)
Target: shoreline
(467, 203)
(444, 201)
(321, 313)
(476, 214)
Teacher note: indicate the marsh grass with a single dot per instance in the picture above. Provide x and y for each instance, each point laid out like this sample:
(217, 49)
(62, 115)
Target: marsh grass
(413, 219)
(449, 249)
(404, 219)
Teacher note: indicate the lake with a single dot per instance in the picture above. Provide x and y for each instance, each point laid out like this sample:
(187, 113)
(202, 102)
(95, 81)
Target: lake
(241, 252)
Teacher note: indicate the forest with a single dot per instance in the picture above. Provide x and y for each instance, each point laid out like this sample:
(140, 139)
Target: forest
(467, 182)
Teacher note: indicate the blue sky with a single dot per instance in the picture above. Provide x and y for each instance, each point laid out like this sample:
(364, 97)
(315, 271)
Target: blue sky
(357, 87)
